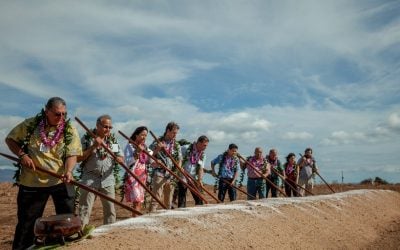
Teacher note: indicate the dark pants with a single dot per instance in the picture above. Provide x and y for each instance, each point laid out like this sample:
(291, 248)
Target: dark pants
(270, 187)
(291, 189)
(254, 186)
(223, 187)
(182, 190)
(31, 202)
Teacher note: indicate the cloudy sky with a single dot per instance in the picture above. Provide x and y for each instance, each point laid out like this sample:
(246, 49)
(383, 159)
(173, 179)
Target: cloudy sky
(275, 74)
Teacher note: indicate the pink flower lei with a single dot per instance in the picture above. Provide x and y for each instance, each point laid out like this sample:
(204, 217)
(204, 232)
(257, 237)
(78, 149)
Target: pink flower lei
(289, 168)
(142, 155)
(55, 139)
(195, 156)
(170, 145)
(258, 163)
(229, 162)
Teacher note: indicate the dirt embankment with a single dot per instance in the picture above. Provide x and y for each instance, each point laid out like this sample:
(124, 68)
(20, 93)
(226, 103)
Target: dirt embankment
(357, 219)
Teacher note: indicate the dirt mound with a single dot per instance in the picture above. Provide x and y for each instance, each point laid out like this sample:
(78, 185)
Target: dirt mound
(364, 217)
(358, 219)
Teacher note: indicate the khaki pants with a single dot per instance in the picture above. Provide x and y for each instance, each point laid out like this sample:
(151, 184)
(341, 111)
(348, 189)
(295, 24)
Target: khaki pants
(307, 184)
(164, 191)
(86, 201)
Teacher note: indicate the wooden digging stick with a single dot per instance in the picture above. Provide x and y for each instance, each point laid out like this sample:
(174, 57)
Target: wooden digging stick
(230, 184)
(321, 178)
(89, 189)
(259, 173)
(325, 182)
(183, 172)
(161, 164)
(188, 177)
(290, 185)
(122, 164)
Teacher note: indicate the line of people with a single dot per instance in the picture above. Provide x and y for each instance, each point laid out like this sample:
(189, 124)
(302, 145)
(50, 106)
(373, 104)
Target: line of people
(51, 141)
(265, 174)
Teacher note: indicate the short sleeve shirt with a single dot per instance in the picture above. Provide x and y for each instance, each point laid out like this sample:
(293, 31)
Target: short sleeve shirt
(52, 159)
(191, 163)
(176, 153)
(98, 172)
(227, 167)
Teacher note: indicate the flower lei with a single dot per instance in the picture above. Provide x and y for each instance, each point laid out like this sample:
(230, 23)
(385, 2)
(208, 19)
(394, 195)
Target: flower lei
(102, 154)
(170, 145)
(55, 139)
(290, 169)
(193, 156)
(261, 166)
(227, 162)
(40, 118)
(142, 158)
(257, 164)
(276, 164)
(172, 148)
(140, 155)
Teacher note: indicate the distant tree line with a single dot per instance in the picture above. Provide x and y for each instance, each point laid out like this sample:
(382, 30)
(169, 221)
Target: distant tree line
(377, 180)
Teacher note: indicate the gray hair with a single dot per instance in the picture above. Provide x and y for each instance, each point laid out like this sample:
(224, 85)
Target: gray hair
(100, 118)
(55, 101)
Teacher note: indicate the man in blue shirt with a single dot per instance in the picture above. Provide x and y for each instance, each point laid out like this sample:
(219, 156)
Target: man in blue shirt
(229, 164)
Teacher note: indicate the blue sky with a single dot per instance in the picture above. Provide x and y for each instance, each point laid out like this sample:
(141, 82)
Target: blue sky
(282, 74)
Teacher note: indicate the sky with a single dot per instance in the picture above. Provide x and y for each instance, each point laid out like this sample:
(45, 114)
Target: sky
(272, 74)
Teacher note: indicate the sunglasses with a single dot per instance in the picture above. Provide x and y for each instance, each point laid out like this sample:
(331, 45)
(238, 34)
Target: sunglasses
(106, 127)
(59, 114)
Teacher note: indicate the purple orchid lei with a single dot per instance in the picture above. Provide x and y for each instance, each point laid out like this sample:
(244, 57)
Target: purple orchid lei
(56, 138)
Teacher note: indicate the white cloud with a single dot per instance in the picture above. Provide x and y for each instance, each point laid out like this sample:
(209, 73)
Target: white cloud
(297, 135)
(342, 137)
(394, 121)
(102, 57)
(379, 133)
(6, 124)
(218, 136)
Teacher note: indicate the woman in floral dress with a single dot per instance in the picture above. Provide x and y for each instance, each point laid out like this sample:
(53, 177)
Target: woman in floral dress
(137, 160)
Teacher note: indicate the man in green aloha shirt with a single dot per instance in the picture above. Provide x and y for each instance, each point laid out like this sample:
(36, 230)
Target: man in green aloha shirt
(51, 142)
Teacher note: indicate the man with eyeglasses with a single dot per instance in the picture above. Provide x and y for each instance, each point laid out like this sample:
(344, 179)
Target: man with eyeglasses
(51, 142)
(99, 169)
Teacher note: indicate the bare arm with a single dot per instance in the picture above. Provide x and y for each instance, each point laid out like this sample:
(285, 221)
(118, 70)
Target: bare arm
(201, 174)
(234, 177)
(25, 159)
(69, 165)
(268, 172)
(213, 170)
(89, 151)
(86, 153)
